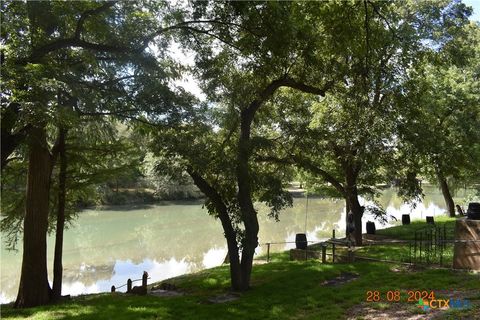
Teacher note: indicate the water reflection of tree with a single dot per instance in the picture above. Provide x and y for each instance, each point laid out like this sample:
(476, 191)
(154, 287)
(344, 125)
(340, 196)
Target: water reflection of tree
(321, 212)
(177, 232)
(88, 275)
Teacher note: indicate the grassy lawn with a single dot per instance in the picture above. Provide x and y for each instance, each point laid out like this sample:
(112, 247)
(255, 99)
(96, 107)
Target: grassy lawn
(407, 232)
(401, 253)
(281, 289)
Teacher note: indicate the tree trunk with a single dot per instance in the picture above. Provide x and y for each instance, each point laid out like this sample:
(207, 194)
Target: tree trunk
(62, 177)
(446, 194)
(347, 210)
(351, 193)
(10, 140)
(357, 211)
(34, 288)
(229, 231)
(244, 196)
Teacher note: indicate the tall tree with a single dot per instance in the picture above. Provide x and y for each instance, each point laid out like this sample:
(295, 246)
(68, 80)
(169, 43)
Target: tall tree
(349, 139)
(44, 42)
(442, 129)
(257, 51)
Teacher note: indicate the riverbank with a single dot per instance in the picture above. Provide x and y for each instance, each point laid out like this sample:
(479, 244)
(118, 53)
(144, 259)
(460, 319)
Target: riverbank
(283, 289)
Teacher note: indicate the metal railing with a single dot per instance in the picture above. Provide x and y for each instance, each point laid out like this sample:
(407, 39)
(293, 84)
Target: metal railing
(328, 248)
(431, 245)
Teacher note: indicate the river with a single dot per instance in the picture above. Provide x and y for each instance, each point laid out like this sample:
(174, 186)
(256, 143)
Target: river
(106, 246)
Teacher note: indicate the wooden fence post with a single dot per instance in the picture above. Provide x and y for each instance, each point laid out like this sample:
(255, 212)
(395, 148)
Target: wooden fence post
(144, 279)
(129, 285)
(324, 253)
(113, 289)
(333, 252)
(268, 252)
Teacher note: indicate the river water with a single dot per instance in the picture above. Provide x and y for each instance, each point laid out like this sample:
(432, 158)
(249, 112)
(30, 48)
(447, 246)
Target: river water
(106, 246)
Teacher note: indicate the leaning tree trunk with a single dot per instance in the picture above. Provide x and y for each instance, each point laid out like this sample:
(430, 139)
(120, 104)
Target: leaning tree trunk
(229, 231)
(446, 194)
(62, 178)
(34, 288)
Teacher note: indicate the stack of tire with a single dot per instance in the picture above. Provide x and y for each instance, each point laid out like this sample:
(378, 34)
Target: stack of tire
(473, 211)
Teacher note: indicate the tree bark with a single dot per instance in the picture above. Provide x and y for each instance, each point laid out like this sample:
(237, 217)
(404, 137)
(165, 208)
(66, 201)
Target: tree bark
(11, 139)
(62, 178)
(357, 211)
(229, 231)
(248, 212)
(446, 194)
(352, 199)
(347, 209)
(34, 288)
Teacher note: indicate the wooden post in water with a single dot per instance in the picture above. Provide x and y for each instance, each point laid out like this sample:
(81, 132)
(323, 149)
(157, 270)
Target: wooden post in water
(129, 285)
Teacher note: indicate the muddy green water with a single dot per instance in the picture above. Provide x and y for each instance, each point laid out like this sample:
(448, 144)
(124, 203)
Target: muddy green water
(105, 247)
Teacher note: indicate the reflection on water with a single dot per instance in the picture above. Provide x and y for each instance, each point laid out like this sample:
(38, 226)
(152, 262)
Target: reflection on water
(106, 247)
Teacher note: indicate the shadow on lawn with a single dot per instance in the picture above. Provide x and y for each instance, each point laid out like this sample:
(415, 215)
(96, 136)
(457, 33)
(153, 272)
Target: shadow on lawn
(279, 291)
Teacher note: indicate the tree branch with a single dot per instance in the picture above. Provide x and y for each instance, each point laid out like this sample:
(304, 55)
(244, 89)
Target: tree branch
(77, 41)
(88, 13)
(306, 165)
(286, 82)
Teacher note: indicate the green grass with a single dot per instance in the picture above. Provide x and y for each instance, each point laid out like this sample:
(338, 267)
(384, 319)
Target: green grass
(281, 289)
(396, 252)
(407, 232)
(401, 253)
